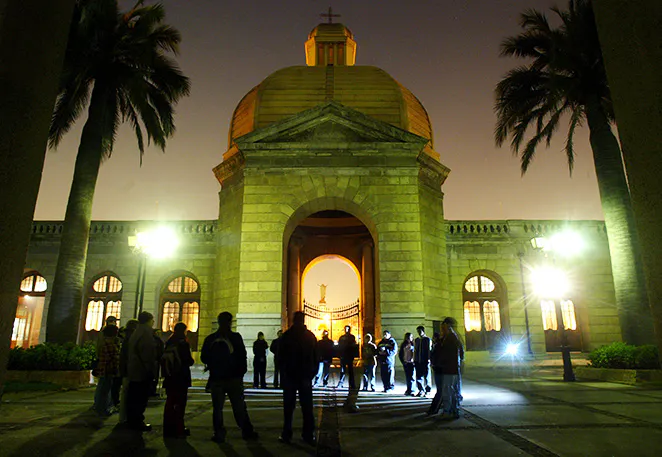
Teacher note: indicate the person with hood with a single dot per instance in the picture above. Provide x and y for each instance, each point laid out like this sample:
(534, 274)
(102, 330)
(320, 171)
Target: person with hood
(176, 365)
(347, 349)
(224, 354)
(298, 362)
(422, 349)
(386, 351)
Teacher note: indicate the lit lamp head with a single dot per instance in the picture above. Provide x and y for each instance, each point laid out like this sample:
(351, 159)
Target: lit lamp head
(158, 243)
(511, 349)
(549, 282)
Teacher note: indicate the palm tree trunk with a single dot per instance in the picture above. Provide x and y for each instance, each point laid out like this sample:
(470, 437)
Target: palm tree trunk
(67, 296)
(626, 266)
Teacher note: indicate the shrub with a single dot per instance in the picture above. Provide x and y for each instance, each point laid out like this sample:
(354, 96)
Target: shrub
(625, 356)
(48, 357)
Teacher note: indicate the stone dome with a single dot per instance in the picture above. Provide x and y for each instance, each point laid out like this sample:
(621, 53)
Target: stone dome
(330, 74)
(367, 89)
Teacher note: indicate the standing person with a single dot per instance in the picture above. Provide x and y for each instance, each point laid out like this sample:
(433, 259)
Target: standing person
(274, 350)
(451, 348)
(260, 348)
(224, 354)
(325, 349)
(116, 382)
(176, 365)
(141, 369)
(369, 357)
(347, 350)
(107, 369)
(386, 350)
(406, 356)
(422, 349)
(160, 346)
(437, 366)
(130, 327)
(298, 363)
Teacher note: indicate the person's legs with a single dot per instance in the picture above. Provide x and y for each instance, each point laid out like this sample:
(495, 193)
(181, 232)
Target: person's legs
(385, 375)
(366, 378)
(428, 380)
(217, 401)
(306, 401)
(137, 402)
(235, 389)
(327, 371)
(458, 388)
(102, 395)
(371, 377)
(289, 403)
(276, 374)
(391, 370)
(169, 414)
(350, 369)
(115, 390)
(449, 398)
(123, 400)
(436, 401)
(256, 374)
(419, 378)
(409, 377)
(263, 375)
(343, 372)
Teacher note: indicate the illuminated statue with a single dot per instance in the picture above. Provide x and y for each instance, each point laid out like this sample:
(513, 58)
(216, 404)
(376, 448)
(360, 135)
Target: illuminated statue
(322, 293)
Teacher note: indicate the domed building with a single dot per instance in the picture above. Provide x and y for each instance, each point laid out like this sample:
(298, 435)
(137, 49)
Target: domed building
(331, 203)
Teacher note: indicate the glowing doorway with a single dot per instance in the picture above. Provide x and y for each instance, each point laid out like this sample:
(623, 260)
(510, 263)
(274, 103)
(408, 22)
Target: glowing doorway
(331, 291)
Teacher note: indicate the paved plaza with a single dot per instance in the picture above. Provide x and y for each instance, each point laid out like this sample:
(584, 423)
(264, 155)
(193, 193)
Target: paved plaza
(505, 412)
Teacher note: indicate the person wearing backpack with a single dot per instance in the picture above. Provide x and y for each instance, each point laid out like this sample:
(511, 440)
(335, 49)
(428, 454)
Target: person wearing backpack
(176, 363)
(224, 354)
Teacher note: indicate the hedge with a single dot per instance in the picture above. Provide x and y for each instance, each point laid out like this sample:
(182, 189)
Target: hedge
(626, 356)
(51, 357)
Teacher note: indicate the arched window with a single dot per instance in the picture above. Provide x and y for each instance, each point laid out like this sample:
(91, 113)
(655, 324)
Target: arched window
(180, 302)
(30, 310)
(104, 298)
(484, 302)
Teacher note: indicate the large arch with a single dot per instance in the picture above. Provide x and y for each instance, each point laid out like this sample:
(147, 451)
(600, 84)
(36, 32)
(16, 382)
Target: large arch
(365, 257)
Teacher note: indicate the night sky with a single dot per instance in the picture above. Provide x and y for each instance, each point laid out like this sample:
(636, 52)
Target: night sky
(446, 52)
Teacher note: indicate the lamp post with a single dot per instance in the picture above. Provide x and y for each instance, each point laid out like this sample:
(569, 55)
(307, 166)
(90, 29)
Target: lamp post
(157, 243)
(552, 283)
(526, 303)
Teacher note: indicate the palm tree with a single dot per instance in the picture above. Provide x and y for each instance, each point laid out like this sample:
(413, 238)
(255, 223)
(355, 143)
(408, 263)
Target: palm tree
(565, 78)
(116, 64)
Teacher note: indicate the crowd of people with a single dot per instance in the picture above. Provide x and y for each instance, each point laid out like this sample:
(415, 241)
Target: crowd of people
(132, 359)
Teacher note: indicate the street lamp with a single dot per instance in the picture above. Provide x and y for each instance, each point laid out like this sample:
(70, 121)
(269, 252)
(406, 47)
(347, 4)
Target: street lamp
(157, 243)
(549, 282)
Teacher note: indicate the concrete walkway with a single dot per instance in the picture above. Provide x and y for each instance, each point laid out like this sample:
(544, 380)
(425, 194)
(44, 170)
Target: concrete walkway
(505, 412)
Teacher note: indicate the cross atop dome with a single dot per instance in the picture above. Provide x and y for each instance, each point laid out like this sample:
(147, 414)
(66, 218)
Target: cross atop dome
(329, 15)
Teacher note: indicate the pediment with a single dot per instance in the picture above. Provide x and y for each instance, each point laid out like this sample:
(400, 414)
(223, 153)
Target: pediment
(328, 124)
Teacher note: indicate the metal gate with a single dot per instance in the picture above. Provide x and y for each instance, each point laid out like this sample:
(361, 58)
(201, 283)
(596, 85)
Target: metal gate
(320, 317)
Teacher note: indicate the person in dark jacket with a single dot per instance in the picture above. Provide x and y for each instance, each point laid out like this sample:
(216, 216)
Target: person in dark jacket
(160, 346)
(451, 352)
(260, 348)
(386, 350)
(436, 360)
(325, 350)
(422, 349)
(224, 354)
(107, 369)
(406, 356)
(274, 350)
(298, 363)
(130, 327)
(347, 350)
(141, 369)
(176, 384)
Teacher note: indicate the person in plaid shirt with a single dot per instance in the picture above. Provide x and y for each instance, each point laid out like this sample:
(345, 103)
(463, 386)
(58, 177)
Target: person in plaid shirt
(107, 368)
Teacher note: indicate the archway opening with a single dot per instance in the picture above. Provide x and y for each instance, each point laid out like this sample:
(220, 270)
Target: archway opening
(331, 293)
(326, 244)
